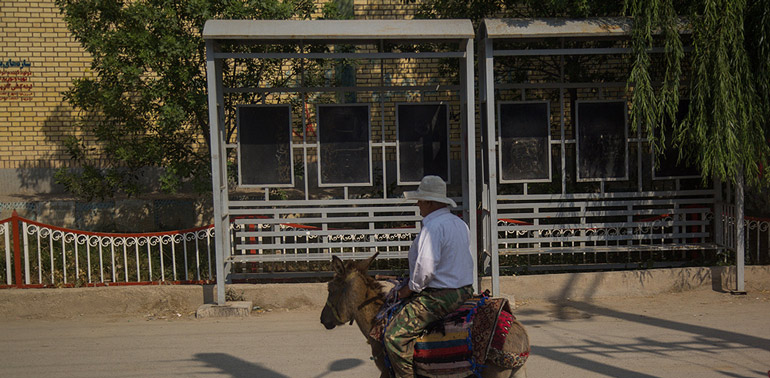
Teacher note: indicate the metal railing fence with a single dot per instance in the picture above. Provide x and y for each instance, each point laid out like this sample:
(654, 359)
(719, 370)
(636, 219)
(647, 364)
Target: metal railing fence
(42, 255)
(34, 254)
(756, 233)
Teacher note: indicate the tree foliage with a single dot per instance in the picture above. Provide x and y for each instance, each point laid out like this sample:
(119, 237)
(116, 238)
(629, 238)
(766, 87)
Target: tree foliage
(725, 132)
(145, 102)
(726, 129)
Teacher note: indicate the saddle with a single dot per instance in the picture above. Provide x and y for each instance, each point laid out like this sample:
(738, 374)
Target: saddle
(465, 340)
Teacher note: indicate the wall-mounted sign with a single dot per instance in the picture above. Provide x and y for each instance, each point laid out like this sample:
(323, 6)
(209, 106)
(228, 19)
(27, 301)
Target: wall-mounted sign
(265, 157)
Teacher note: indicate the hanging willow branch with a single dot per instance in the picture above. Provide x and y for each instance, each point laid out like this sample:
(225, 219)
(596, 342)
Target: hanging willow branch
(723, 131)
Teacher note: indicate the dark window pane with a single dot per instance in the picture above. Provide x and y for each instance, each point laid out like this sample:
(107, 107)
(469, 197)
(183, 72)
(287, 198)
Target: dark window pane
(524, 150)
(668, 161)
(422, 141)
(264, 145)
(343, 136)
(601, 139)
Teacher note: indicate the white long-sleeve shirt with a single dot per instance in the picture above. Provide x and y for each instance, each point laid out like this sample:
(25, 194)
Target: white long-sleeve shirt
(440, 255)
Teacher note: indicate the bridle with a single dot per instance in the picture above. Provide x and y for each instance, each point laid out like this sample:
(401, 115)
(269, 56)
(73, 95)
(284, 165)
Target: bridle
(337, 314)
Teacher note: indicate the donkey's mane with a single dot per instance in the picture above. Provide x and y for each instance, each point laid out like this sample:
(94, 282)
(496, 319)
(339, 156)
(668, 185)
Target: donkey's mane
(370, 282)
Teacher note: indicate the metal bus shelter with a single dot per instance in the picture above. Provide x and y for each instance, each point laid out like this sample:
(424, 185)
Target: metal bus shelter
(565, 177)
(317, 166)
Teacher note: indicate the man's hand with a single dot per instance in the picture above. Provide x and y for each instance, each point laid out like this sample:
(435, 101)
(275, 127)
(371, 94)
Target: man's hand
(404, 292)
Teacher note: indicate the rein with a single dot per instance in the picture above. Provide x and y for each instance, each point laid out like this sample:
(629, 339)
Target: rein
(370, 300)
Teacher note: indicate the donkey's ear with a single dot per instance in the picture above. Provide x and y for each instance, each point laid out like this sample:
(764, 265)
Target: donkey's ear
(338, 266)
(364, 264)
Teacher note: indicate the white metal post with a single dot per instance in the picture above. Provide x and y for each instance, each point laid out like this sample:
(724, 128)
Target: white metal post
(740, 248)
(469, 147)
(221, 232)
(489, 109)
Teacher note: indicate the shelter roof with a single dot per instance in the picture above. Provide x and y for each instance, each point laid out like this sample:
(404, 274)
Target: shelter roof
(556, 27)
(338, 29)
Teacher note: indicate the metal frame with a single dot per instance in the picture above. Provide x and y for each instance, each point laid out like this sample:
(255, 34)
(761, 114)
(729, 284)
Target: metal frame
(291, 148)
(448, 142)
(625, 143)
(572, 221)
(656, 177)
(499, 142)
(369, 147)
(308, 229)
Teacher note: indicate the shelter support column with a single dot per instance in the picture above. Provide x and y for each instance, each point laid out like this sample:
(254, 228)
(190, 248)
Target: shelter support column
(740, 247)
(218, 167)
(487, 95)
(469, 152)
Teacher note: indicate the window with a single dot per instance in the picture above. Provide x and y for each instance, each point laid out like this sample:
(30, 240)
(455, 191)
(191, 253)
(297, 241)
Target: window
(668, 162)
(344, 151)
(423, 141)
(602, 132)
(264, 146)
(525, 141)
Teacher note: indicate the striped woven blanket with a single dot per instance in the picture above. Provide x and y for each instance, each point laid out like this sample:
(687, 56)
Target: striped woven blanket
(461, 343)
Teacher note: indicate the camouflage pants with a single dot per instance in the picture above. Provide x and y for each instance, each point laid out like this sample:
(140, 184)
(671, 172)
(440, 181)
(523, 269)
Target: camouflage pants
(419, 311)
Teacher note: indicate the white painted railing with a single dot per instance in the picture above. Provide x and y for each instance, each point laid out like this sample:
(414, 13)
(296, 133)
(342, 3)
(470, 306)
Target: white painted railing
(40, 255)
(757, 240)
(34, 254)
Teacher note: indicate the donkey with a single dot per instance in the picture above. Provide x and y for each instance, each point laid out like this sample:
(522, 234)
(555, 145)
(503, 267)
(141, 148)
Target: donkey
(354, 296)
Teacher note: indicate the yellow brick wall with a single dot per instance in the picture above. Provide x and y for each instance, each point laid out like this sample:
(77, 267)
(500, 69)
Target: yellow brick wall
(39, 60)
(384, 9)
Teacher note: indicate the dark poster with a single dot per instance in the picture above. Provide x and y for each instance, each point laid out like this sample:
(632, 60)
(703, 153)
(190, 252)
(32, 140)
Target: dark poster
(524, 141)
(264, 145)
(668, 165)
(422, 141)
(601, 140)
(344, 153)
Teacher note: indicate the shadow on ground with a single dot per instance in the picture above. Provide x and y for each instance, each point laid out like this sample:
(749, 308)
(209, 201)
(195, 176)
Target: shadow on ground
(238, 368)
(703, 339)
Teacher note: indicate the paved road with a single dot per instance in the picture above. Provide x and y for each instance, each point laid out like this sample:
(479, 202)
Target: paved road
(698, 334)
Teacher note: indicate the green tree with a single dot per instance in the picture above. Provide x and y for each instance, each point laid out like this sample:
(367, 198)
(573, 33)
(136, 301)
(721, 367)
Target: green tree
(726, 129)
(146, 104)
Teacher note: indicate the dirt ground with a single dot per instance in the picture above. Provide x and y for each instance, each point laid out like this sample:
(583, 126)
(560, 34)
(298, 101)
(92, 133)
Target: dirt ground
(181, 302)
(152, 302)
(701, 333)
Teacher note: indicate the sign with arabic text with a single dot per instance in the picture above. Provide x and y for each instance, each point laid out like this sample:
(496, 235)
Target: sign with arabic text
(15, 83)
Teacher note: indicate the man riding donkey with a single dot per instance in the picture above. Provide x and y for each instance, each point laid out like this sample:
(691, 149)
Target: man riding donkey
(479, 337)
(440, 273)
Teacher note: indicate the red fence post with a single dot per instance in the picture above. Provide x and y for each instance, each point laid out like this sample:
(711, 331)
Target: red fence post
(16, 248)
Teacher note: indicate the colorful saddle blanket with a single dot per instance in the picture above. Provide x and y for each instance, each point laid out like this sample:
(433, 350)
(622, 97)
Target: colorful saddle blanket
(470, 337)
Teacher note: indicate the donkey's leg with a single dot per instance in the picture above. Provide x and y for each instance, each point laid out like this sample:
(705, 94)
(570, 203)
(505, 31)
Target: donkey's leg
(519, 372)
(492, 371)
(378, 354)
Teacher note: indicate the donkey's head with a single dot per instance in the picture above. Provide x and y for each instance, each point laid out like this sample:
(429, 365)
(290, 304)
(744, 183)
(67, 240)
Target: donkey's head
(347, 291)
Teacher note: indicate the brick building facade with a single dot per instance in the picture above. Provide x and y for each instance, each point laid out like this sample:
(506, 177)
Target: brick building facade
(39, 61)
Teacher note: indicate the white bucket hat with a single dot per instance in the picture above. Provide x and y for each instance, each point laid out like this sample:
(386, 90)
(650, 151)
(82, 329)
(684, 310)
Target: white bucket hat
(432, 188)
